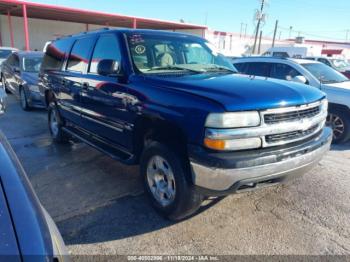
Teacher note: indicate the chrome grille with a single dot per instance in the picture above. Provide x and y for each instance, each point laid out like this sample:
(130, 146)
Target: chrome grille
(291, 116)
(289, 136)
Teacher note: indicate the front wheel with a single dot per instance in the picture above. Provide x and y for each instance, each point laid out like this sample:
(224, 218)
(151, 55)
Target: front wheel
(165, 179)
(339, 121)
(55, 125)
(23, 98)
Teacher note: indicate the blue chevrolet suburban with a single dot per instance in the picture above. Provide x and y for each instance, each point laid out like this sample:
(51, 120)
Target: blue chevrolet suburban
(172, 104)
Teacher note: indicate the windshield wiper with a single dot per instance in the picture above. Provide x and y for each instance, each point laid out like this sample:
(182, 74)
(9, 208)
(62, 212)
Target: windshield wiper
(220, 68)
(174, 67)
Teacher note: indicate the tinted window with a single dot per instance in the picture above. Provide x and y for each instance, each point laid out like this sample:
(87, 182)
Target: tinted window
(79, 56)
(258, 69)
(241, 67)
(283, 71)
(325, 61)
(107, 47)
(13, 60)
(55, 53)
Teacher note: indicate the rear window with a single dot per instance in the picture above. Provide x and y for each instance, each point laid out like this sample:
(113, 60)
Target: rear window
(55, 53)
(5, 54)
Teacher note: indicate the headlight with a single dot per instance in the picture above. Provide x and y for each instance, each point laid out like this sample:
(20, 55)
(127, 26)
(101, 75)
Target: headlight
(33, 88)
(233, 120)
(324, 106)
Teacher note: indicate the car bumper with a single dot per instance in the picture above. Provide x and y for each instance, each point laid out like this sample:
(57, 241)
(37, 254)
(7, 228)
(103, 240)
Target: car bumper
(36, 99)
(238, 171)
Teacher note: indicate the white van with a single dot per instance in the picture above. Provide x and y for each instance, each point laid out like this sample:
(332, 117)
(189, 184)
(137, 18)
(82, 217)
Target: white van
(287, 51)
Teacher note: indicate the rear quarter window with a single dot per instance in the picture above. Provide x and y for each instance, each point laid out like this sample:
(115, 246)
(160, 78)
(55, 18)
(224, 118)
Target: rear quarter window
(55, 54)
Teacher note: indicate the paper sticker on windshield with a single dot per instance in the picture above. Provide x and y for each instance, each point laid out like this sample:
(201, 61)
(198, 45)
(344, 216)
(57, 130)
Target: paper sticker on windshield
(140, 49)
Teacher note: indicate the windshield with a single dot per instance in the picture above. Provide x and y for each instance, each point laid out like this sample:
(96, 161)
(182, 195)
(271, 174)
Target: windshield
(5, 53)
(32, 64)
(171, 54)
(339, 63)
(325, 73)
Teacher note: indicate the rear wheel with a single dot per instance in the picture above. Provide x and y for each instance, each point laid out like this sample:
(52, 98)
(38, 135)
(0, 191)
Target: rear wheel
(339, 121)
(55, 125)
(23, 98)
(165, 179)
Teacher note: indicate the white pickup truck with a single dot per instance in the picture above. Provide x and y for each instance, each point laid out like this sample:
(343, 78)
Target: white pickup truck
(313, 73)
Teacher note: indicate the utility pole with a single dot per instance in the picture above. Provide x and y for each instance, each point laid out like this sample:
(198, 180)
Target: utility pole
(241, 31)
(274, 34)
(347, 35)
(259, 47)
(290, 32)
(260, 15)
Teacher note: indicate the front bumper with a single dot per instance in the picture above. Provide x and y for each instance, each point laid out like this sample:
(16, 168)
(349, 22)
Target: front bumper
(35, 99)
(231, 172)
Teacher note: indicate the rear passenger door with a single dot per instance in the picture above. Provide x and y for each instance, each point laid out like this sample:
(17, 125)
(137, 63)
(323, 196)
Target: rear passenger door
(105, 98)
(73, 79)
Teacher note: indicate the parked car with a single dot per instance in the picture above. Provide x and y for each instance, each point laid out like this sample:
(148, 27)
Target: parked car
(312, 73)
(28, 233)
(170, 103)
(340, 65)
(5, 52)
(20, 77)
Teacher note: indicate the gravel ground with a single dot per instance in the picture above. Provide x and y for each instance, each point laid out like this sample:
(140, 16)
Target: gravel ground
(99, 206)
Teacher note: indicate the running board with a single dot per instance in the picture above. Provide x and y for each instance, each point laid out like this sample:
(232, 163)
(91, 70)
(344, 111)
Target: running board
(102, 145)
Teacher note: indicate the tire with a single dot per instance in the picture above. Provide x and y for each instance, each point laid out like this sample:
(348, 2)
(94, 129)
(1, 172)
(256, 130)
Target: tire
(180, 199)
(3, 81)
(55, 125)
(339, 121)
(23, 100)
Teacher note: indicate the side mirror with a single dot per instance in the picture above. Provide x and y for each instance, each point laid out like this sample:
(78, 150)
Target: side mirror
(298, 79)
(108, 67)
(2, 101)
(16, 70)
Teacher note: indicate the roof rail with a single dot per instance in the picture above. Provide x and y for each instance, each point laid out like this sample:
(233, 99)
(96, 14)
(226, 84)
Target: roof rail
(96, 30)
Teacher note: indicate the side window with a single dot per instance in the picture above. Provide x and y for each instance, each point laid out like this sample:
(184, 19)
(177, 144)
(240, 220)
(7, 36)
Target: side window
(241, 67)
(11, 60)
(16, 61)
(283, 71)
(55, 54)
(107, 47)
(258, 69)
(79, 56)
(325, 61)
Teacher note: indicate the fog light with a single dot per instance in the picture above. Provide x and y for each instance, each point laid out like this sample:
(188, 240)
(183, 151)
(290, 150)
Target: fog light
(234, 144)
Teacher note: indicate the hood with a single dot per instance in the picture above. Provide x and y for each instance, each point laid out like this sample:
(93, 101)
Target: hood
(343, 85)
(30, 78)
(239, 92)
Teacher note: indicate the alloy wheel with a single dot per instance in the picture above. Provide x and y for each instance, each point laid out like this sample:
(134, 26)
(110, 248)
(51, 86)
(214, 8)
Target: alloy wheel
(161, 180)
(337, 124)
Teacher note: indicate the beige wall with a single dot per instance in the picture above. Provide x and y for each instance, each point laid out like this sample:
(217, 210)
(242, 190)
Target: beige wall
(41, 31)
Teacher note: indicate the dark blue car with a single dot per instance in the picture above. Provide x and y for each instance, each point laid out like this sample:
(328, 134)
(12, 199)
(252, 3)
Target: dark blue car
(27, 232)
(19, 76)
(172, 104)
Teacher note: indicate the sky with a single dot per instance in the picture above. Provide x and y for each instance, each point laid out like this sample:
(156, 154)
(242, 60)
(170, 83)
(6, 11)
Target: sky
(314, 19)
